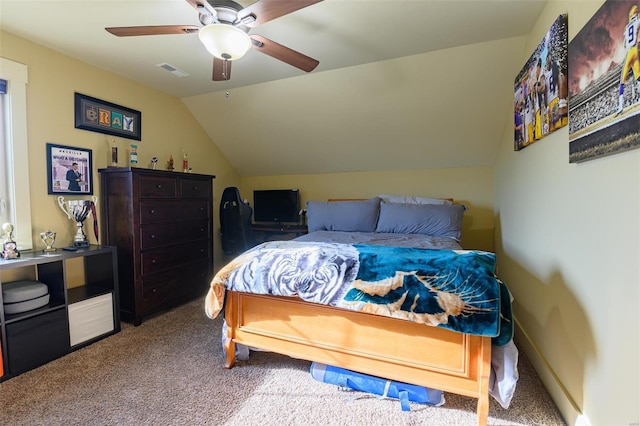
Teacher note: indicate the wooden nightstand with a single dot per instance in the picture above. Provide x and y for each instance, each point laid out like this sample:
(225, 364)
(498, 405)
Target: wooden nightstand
(265, 232)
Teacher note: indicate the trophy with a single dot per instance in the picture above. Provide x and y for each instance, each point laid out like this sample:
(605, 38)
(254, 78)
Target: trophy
(9, 247)
(78, 210)
(48, 238)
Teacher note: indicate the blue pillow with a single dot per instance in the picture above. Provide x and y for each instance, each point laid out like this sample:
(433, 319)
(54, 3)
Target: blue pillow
(350, 216)
(438, 220)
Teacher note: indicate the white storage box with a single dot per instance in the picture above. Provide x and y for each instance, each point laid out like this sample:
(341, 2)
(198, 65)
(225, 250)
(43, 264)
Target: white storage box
(90, 318)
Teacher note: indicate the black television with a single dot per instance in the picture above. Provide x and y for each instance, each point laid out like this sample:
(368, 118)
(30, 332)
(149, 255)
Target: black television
(276, 205)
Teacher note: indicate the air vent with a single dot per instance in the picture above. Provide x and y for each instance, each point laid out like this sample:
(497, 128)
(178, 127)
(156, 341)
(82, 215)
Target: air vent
(173, 70)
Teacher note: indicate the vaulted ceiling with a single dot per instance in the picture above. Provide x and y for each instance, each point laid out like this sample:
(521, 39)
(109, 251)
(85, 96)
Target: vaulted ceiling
(400, 84)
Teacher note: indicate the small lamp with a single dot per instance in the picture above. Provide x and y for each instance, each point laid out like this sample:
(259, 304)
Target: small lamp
(225, 41)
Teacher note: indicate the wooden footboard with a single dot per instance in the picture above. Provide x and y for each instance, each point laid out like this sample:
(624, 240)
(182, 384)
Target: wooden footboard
(370, 344)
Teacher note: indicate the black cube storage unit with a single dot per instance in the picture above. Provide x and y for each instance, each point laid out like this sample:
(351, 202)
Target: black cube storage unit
(73, 318)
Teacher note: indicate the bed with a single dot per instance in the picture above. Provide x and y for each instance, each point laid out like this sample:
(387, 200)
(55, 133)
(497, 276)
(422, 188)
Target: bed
(381, 287)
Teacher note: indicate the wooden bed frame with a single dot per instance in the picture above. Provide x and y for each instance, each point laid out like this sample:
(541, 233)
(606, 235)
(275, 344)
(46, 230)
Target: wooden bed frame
(366, 343)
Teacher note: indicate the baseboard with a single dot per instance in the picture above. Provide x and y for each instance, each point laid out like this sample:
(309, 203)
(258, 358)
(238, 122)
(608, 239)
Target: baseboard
(568, 408)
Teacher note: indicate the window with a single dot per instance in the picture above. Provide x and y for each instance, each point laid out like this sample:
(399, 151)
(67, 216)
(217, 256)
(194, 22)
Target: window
(15, 204)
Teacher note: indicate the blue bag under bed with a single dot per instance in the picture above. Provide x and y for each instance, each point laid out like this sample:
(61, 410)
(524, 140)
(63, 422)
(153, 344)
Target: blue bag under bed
(376, 385)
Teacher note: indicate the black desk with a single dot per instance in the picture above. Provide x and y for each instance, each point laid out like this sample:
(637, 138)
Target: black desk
(265, 232)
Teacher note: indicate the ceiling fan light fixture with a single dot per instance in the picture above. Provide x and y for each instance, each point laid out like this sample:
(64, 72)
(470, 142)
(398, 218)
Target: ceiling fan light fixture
(225, 41)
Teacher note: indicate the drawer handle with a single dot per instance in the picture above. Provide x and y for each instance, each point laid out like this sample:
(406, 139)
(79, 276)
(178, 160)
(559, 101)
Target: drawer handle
(153, 262)
(152, 211)
(195, 187)
(159, 186)
(152, 236)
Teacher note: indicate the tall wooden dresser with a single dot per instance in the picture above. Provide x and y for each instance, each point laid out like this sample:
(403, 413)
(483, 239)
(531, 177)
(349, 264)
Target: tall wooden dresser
(162, 224)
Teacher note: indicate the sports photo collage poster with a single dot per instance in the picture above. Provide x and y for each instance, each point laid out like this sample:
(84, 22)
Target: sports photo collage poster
(604, 91)
(540, 89)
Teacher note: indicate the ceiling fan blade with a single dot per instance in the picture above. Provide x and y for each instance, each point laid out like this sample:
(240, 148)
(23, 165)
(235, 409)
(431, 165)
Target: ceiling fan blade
(267, 10)
(221, 69)
(283, 53)
(152, 30)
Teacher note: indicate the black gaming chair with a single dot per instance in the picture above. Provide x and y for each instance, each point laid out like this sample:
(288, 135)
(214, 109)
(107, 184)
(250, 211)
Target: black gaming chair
(235, 223)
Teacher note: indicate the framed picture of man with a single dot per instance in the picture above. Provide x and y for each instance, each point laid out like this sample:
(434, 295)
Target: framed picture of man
(69, 170)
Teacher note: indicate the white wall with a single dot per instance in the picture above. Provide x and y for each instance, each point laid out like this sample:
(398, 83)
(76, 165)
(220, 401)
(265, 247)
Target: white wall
(567, 239)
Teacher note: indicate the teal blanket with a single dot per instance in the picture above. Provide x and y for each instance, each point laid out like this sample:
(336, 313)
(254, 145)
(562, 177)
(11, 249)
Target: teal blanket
(452, 289)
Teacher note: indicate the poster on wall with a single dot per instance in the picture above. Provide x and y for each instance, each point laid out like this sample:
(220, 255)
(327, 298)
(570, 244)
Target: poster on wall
(540, 89)
(69, 170)
(604, 91)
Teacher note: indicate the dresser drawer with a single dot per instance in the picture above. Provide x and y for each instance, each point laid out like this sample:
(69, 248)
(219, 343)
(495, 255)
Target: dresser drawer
(195, 188)
(158, 211)
(158, 186)
(166, 258)
(166, 233)
(175, 286)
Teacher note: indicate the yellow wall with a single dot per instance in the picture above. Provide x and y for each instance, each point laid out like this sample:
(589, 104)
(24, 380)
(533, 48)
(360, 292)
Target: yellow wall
(471, 186)
(567, 244)
(167, 128)
(567, 236)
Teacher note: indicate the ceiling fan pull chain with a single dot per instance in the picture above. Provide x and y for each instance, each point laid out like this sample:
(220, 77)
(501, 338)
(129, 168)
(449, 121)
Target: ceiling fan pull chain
(224, 75)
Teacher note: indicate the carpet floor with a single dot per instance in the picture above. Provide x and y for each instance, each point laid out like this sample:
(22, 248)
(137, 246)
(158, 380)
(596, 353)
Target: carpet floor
(170, 371)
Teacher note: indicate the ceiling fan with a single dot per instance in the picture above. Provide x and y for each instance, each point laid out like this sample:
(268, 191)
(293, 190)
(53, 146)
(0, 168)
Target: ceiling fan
(225, 29)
